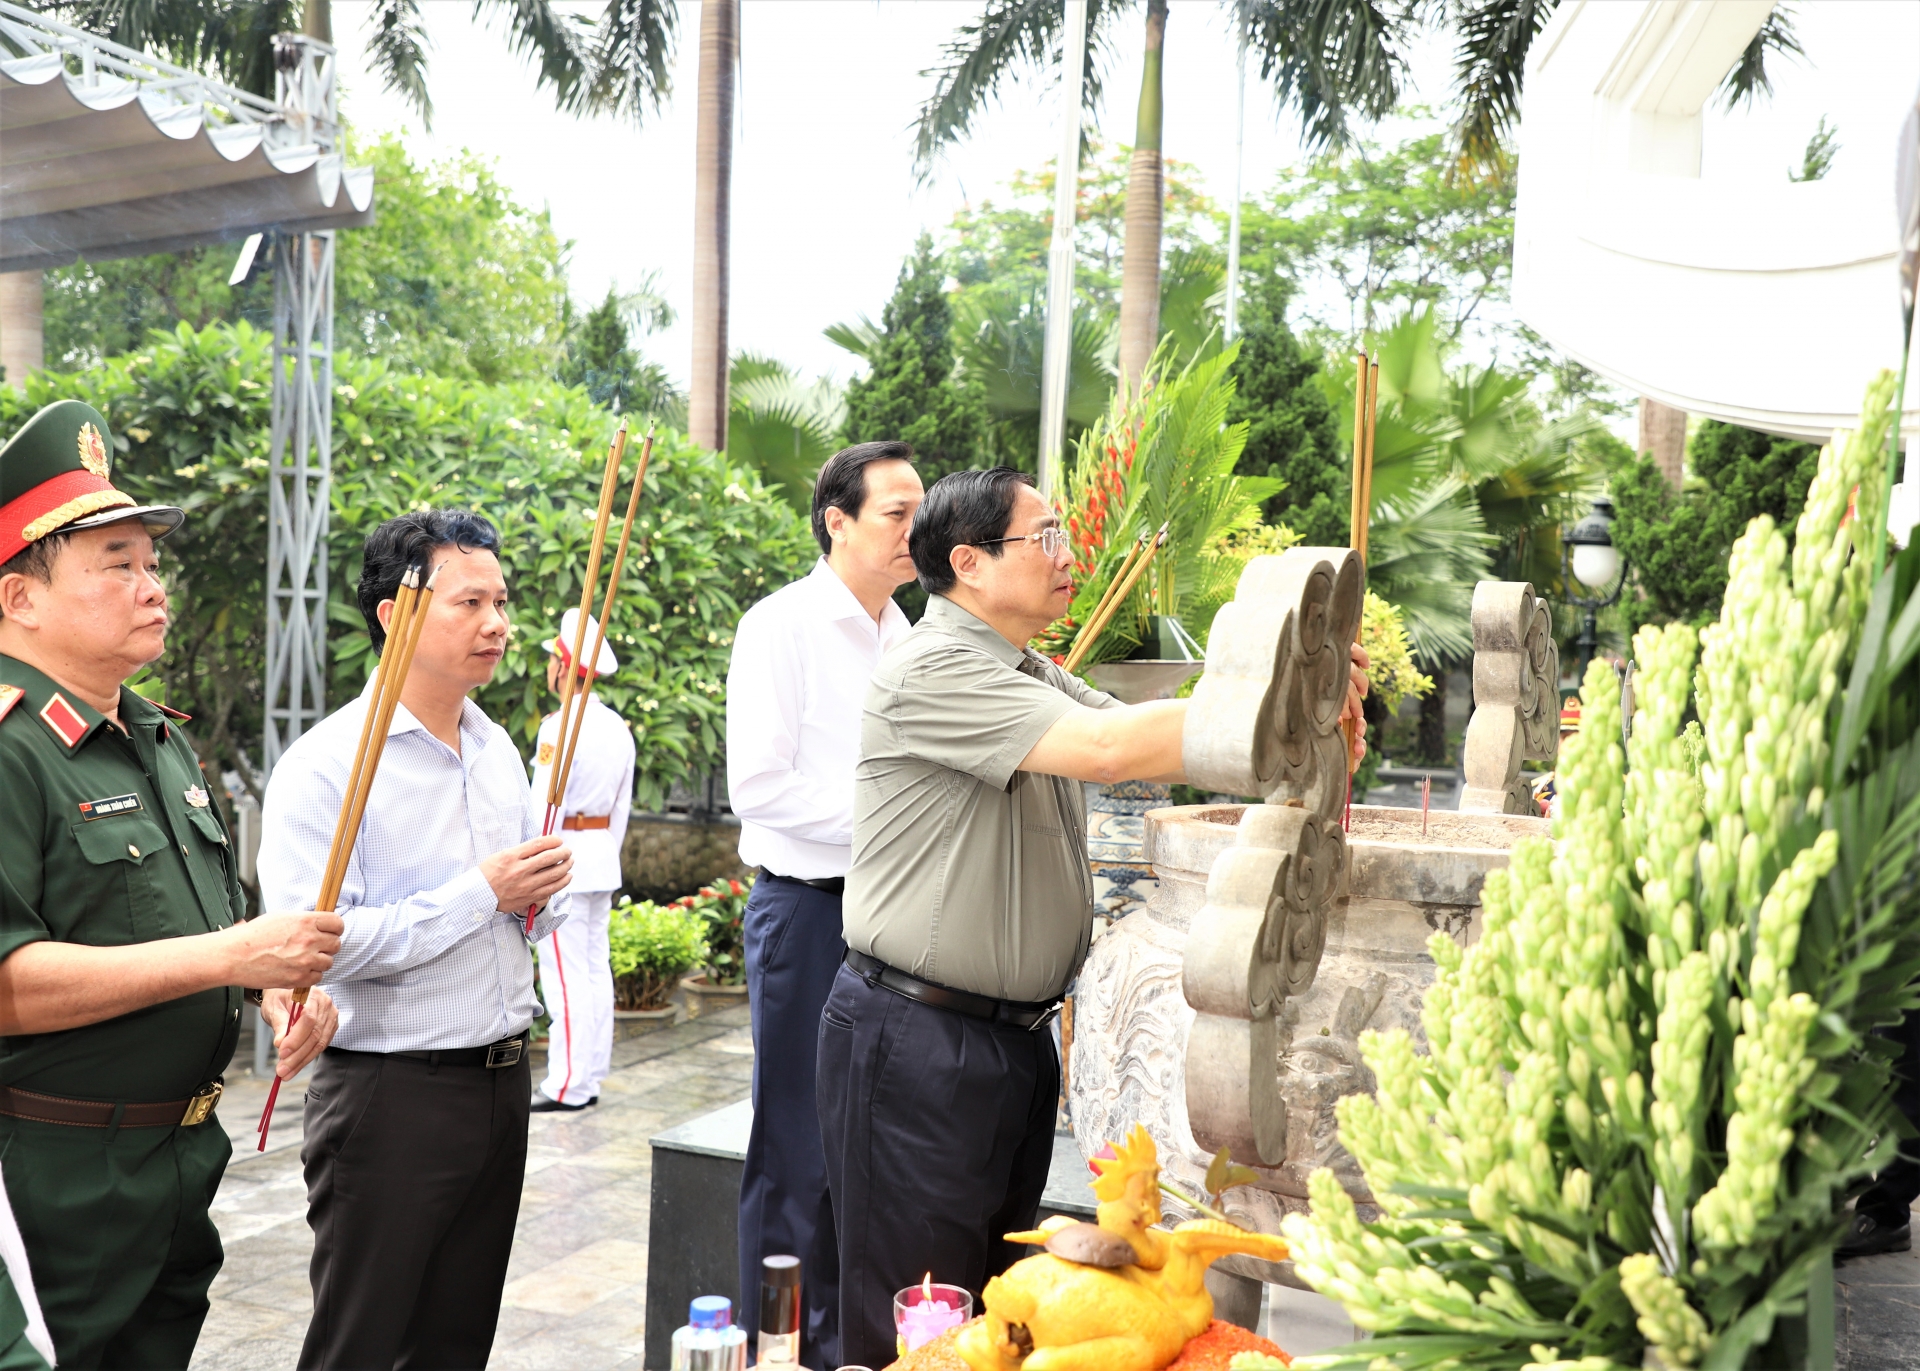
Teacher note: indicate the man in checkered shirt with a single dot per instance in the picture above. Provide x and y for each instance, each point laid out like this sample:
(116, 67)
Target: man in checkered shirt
(416, 1120)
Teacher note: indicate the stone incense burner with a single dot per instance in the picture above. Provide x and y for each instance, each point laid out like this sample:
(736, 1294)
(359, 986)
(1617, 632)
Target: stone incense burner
(1228, 1012)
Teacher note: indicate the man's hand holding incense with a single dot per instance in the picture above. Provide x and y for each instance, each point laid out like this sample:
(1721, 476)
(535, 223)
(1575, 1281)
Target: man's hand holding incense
(282, 951)
(1357, 687)
(528, 875)
(307, 1038)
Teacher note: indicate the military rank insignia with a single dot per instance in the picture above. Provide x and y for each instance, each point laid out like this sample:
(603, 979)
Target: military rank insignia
(545, 756)
(63, 719)
(107, 808)
(10, 695)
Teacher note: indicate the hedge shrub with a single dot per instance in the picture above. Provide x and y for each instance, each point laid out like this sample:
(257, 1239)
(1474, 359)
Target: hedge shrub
(190, 416)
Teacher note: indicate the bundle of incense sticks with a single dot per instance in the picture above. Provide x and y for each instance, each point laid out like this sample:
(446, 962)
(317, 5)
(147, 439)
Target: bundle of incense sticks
(389, 680)
(1366, 414)
(573, 702)
(1139, 557)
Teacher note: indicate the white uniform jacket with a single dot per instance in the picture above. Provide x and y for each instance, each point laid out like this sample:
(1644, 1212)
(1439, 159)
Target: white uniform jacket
(601, 783)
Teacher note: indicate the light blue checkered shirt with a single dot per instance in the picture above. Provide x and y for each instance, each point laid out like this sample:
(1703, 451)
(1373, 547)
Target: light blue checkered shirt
(427, 960)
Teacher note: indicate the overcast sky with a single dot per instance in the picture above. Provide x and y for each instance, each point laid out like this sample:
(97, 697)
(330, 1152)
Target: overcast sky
(824, 201)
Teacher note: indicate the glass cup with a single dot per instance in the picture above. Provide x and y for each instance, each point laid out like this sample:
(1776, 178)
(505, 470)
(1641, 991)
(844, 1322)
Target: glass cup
(923, 1312)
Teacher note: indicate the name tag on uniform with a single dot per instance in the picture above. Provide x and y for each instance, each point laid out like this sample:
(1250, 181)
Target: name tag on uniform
(102, 809)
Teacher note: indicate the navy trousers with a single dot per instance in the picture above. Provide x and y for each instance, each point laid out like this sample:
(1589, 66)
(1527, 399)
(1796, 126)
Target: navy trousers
(793, 949)
(939, 1133)
(1896, 1188)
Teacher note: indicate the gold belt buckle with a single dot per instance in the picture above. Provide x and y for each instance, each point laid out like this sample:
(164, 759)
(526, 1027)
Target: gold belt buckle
(201, 1105)
(505, 1053)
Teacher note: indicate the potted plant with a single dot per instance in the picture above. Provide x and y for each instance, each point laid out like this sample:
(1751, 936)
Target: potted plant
(721, 907)
(650, 947)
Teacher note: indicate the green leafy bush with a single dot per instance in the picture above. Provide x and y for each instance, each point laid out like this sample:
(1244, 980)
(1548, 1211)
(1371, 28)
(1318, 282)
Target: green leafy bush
(651, 947)
(190, 422)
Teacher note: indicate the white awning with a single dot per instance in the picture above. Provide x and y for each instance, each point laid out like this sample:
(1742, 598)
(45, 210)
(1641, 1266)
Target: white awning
(131, 156)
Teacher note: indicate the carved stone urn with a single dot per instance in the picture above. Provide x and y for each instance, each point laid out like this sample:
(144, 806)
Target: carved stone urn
(1116, 833)
(1132, 1024)
(1228, 1014)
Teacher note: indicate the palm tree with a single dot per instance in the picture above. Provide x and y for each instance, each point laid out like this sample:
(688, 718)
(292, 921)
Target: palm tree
(712, 196)
(1328, 61)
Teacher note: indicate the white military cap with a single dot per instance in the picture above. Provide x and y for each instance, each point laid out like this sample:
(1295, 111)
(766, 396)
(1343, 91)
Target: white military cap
(562, 646)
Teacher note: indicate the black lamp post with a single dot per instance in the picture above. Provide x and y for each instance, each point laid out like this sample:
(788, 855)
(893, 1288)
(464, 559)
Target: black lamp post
(1589, 558)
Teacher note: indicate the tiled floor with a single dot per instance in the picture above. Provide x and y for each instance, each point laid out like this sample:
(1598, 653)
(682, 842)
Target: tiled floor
(577, 1284)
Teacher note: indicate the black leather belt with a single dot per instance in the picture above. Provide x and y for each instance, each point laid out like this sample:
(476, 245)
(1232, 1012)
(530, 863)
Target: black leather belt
(831, 885)
(1013, 1013)
(506, 1052)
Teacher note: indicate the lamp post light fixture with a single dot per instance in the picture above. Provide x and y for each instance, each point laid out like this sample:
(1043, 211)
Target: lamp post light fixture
(1589, 558)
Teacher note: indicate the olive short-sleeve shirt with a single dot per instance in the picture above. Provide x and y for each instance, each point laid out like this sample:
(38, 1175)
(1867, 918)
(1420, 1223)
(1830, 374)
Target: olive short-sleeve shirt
(968, 872)
(108, 840)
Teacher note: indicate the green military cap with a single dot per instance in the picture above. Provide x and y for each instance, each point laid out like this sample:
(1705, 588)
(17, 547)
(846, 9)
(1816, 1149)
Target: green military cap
(54, 476)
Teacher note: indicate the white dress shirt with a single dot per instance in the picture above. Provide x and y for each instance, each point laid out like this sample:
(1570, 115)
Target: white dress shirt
(428, 959)
(801, 661)
(601, 783)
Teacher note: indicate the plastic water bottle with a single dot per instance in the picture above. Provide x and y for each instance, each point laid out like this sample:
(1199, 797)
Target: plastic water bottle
(710, 1342)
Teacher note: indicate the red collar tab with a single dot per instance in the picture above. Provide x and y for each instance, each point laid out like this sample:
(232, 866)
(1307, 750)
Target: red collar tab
(173, 714)
(10, 695)
(63, 720)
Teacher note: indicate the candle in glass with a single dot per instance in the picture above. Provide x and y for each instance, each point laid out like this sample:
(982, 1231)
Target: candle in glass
(923, 1312)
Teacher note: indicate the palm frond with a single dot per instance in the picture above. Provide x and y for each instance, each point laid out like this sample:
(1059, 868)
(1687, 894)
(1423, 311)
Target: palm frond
(1328, 59)
(781, 425)
(1009, 36)
(233, 41)
(860, 337)
(561, 45)
(1424, 555)
(633, 57)
(1749, 77)
(1489, 65)
(397, 48)
(1193, 287)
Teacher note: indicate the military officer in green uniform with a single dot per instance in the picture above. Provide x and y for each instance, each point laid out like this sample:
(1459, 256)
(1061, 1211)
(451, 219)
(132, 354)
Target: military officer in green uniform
(123, 955)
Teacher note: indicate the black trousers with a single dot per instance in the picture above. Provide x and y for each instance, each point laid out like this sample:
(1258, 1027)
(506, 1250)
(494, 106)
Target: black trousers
(1896, 1188)
(793, 949)
(939, 1133)
(413, 1185)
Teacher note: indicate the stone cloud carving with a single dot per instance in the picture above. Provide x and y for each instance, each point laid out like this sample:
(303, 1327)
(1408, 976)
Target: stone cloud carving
(1263, 719)
(1516, 697)
(1255, 943)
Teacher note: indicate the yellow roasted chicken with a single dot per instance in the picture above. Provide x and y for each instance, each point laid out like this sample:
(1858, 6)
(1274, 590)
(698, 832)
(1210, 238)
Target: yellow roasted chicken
(1116, 1295)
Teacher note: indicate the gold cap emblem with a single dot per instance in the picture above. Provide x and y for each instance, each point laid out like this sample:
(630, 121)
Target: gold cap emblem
(93, 451)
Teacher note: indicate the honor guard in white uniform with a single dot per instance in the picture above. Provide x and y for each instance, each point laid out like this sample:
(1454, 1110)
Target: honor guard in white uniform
(576, 981)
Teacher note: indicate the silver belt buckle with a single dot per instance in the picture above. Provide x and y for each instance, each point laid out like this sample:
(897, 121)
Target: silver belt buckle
(505, 1053)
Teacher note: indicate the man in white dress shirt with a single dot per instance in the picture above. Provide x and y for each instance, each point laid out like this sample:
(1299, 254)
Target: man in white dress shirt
(416, 1120)
(801, 661)
(576, 976)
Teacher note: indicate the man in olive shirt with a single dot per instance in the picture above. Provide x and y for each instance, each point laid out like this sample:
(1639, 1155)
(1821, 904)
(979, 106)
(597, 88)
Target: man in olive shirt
(969, 906)
(122, 953)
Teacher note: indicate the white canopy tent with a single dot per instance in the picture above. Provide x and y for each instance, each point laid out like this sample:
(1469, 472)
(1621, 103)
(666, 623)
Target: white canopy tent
(1766, 305)
(106, 152)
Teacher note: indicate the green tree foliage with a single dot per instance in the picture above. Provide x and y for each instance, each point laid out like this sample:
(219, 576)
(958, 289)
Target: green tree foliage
(1678, 541)
(454, 276)
(601, 359)
(910, 391)
(1817, 160)
(782, 425)
(1005, 241)
(189, 417)
(1388, 226)
(1290, 426)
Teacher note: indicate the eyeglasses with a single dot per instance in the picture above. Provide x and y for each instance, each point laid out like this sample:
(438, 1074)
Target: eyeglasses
(1053, 541)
